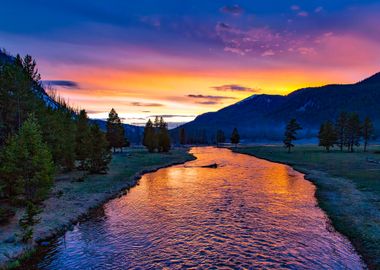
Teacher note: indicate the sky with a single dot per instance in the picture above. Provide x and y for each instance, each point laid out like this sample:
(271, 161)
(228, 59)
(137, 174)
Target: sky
(183, 58)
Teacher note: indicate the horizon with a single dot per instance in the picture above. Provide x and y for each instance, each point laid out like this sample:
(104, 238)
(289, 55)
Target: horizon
(180, 60)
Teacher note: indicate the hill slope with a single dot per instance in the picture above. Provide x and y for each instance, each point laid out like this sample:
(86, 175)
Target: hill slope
(263, 117)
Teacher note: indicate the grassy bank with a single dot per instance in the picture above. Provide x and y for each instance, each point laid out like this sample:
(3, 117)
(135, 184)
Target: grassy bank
(72, 199)
(348, 189)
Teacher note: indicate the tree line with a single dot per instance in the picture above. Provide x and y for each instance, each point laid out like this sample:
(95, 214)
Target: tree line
(220, 137)
(40, 134)
(347, 131)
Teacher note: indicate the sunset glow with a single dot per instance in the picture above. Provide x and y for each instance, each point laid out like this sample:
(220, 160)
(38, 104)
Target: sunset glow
(180, 59)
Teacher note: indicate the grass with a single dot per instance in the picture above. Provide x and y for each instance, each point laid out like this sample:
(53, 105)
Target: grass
(348, 189)
(71, 200)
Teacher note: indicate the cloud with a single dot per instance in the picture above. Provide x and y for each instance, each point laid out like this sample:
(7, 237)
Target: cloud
(144, 104)
(233, 10)
(209, 102)
(268, 53)
(173, 115)
(318, 9)
(210, 97)
(295, 7)
(62, 83)
(234, 88)
(303, 14)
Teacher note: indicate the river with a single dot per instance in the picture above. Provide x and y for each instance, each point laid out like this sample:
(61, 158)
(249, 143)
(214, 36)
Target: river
(246, 214)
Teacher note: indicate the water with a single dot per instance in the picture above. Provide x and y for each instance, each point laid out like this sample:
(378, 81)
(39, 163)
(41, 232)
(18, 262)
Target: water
(246, 214)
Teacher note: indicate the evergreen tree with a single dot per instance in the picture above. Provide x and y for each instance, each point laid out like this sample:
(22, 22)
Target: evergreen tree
(182, 136)
(100, 155)
(163, 136)
(327, 135)
(235, 137)
(341, 130)
(115, 131)
(27, 166)
(368, 132)
(149, 134)
(82, 140)
(290, 133)
(220, 137)
(353, 131)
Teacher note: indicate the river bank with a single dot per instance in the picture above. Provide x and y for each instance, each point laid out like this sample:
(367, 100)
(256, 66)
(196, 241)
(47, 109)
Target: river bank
(71, 199)
(348, 190)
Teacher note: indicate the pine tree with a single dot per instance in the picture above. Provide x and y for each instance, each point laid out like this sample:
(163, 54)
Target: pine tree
(290, 134)
(182, 136)
(235, 137)
(163, 136)
(82, 140)
(27, 166)
(353, 131)
(368, 131)
(220, 137)
(100, 155)
(327, 135)
(341, 130)
(115, 131)
(148, 140)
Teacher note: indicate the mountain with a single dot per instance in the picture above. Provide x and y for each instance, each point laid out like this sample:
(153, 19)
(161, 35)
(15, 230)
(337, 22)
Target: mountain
(263, 117)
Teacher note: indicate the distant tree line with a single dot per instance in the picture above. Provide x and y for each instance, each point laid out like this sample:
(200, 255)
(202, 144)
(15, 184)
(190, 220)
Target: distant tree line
(199, 137)
(41, 135)
(347, 132)
(156, 136)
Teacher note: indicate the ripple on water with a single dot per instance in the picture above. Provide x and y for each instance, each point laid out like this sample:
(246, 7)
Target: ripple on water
(246, 214)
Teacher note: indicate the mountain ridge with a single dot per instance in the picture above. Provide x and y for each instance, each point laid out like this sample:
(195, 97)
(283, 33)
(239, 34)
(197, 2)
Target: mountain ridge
(263, 116)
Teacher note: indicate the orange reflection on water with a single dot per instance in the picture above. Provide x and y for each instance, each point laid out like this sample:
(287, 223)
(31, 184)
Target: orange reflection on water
(247, 213)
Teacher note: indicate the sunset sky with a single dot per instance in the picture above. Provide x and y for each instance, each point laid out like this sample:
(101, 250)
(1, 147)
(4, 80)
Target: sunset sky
(183, 58)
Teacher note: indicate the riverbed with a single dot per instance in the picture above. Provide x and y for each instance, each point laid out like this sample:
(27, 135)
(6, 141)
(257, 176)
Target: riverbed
(246, 213)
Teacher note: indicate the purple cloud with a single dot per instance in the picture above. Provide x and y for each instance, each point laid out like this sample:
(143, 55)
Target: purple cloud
(234, 88)
(234, 10)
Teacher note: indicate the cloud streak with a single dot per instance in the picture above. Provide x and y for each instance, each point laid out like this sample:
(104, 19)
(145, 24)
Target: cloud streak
(146, 104)
(62, 83)
(233, 10)
(234, 88)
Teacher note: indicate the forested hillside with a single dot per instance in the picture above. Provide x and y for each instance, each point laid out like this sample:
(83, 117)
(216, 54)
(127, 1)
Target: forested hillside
(263, 117)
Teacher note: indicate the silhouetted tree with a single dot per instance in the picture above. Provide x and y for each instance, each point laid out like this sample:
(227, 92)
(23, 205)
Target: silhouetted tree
(100, 155)
(353, 131)
(220, 137)
(115, 131)
(163, 136)
(83, 139)
(367, 132)
(149, 136)
(327, 135)
(182, 136)
(235, 137)
(341, 130)
(290, 133)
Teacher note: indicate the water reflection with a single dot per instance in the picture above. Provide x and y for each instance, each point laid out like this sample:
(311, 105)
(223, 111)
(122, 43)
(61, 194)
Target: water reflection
(247, 213)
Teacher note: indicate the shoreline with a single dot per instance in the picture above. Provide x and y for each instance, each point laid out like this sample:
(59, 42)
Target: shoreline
(334, 196)
(63, 219)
